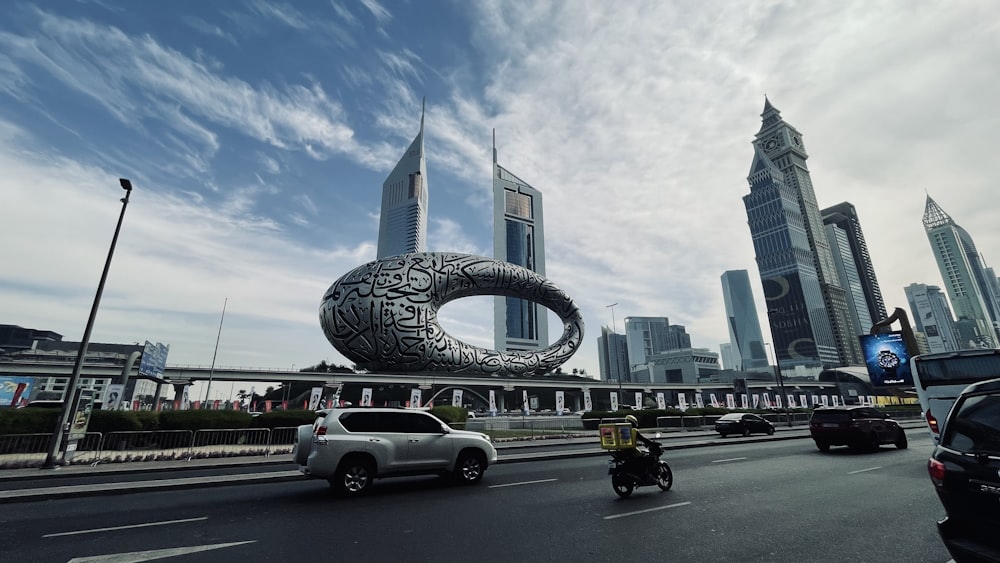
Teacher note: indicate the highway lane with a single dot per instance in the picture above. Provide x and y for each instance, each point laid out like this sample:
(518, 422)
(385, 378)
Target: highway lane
(770, 501)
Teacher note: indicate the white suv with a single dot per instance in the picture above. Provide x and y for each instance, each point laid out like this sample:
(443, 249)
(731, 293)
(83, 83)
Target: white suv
(351, 447)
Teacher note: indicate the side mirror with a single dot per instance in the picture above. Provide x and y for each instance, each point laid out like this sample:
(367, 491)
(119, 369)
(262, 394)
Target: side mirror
(445, 429)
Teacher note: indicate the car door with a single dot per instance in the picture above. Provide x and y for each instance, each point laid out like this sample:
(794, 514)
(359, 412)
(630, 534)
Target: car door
(754, 423)
(429, 447)
(393, 443)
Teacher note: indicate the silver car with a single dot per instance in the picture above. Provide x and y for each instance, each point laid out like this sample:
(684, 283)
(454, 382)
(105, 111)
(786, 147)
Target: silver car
(351, 447)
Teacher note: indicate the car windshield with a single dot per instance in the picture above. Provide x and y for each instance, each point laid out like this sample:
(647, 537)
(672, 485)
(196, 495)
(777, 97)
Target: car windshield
(974, 426)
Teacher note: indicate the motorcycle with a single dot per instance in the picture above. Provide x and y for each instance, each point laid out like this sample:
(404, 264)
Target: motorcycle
(629, 471)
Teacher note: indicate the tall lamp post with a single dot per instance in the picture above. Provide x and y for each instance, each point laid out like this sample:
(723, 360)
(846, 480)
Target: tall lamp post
(614, 330)
(781, 385)
(55, 442)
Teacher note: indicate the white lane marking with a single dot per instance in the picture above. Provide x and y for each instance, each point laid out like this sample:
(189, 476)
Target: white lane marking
(730, 459)
(863, 470)
(139, 556)
(522, 483)
(146, 525)
(675, 505)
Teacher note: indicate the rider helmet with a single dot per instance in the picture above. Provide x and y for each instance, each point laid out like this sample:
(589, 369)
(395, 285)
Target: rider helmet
(631, 419)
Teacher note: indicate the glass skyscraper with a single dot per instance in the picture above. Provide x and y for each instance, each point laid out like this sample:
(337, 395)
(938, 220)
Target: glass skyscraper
(845, 216)
(850, 279)
(518, 238)
(747, 351)
(402, 225)
(964, 274)
(932, 317)
(612, 352)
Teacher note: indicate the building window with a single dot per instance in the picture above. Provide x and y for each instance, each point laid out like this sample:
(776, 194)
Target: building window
(517, 204)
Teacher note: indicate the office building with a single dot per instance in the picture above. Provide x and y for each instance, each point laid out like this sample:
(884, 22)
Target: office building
(845, 216)
(402, 225)
(612, 352)
(518, 238)
(932, 317)
(964, 275)
(652, 335)
(801, 329)
(686, 365)
(850, 280)
(747, 351)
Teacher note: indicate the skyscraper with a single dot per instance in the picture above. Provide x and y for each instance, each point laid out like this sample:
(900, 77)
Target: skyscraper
(648, 336)
(402, 225)
(518, 238)
(932, 317)
(794, 260)
(612, 352)
(850, 280)
(845, 216)
(963, 272)
(747, 343)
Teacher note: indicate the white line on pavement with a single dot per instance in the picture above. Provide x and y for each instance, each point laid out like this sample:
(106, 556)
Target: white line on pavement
(522, 483)
(730, 459)
(675, 505)
(146, 525)
(863, 470)
(138, 556)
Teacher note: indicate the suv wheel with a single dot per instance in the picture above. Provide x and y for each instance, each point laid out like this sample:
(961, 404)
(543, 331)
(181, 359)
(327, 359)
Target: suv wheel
(822, 446)
(354, 476)
(770, 431)
(470, 467)
(901, 439)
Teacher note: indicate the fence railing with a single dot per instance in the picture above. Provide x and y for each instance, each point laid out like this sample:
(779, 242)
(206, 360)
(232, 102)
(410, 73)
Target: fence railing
(30, 450)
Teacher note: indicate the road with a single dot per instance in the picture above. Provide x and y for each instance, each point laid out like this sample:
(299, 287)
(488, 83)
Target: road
(741, 501)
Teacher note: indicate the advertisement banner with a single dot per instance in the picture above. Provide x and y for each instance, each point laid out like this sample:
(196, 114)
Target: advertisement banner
(315, 396)
(661, 401)
(415, 397)
(456, 398)
(638, 400)
(186, 398)
(267, 406)
(791, 401)
(682, 401)
(366, 397)
(614, 400)
(767, 401)
(777, 401)
(112, 397)
(560, 402)
(588, 403)
(699, 400)
(744, 400)
(493, 402)
(887, 359)
(802, 401)
(825, 401)
(756, 400)
(713, 401)
(82, 407)
(836, 401)
(730, 401)
(154, 359)
(525, 405)
(15, 390)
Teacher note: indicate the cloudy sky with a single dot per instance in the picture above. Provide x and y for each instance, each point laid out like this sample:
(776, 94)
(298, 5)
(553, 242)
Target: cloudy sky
(257, 135)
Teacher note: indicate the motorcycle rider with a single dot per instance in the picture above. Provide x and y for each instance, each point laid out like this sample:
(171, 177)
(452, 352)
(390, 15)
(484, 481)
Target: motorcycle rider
(644, 461)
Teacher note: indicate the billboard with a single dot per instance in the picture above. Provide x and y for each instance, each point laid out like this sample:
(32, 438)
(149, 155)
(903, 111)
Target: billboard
(154, 359)
(14, 391)
(887, 359)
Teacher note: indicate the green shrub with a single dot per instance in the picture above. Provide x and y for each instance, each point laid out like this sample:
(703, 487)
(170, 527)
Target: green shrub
(450, 414)
(28, 420)
(113, 421)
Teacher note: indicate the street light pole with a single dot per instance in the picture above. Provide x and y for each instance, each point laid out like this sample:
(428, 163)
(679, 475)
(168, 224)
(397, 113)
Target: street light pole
(211, 371)
(55, 442)
(781, 387)
(614, 330)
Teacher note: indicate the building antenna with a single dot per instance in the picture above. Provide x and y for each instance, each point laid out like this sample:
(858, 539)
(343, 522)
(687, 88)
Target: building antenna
(211, 371)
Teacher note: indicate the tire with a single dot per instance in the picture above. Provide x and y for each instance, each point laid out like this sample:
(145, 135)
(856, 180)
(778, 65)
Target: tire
(746, 432)
(622, 485)
(901, 439)
(822, 446)
(303, 444)
(873, 442)
(470, 467)
(770, 431)
(664, 477)
(723, 434)
(354, 477)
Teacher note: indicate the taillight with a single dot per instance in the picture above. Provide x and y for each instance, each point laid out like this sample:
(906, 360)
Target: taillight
(321, 431)
(936, 470)
(931, 421)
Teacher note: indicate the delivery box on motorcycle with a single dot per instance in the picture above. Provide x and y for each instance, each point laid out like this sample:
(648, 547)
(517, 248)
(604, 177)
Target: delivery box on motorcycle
(617, 436)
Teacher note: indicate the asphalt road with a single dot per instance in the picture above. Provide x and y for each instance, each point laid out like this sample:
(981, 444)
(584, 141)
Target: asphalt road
(741, 501)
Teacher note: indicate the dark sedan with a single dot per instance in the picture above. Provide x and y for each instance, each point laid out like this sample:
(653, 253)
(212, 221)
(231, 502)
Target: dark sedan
(742, 423)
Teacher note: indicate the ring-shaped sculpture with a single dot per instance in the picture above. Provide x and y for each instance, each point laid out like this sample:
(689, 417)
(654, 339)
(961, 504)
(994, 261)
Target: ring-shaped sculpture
(384, 315)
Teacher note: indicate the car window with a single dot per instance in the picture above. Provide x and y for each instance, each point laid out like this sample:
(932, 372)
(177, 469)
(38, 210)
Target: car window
(829, 415)
(975, 425)
(422, 424)
(359, 421)
(393, 422)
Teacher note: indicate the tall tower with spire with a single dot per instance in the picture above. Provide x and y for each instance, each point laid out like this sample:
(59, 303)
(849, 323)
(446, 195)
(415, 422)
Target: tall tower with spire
(806, 304)
(402, 225)
(518, 238)
(972, 296)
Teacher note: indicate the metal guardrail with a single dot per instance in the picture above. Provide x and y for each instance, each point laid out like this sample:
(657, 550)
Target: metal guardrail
(30, 450)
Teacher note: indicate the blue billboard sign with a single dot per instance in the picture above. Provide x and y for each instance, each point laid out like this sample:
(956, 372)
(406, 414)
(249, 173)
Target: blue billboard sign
(154, 359)
(887, 359)
(14, 391)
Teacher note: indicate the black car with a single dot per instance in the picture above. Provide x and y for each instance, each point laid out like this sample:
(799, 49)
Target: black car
(743, 423)
(965, 470)
(857, 427)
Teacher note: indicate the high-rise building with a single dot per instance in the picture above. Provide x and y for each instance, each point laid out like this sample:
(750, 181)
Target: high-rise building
(932, 317)
(850, 280)
(845, 216)
(518, 238)
(747, 343)
(793, 255)
(402, 225)
(964, 274)
(727, 357)
(648, 336)
(612, 351)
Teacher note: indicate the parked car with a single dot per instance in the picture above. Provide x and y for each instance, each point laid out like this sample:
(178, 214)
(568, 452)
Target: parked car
(352, 447)
(965, 470)
(743, 423)
(856, 427)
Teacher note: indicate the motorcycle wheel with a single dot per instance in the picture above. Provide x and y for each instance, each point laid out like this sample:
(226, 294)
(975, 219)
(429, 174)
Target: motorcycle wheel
(664, 477)
(622, 485)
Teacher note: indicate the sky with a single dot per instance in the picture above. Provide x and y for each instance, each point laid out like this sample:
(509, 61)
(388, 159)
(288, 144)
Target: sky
(257, 135)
